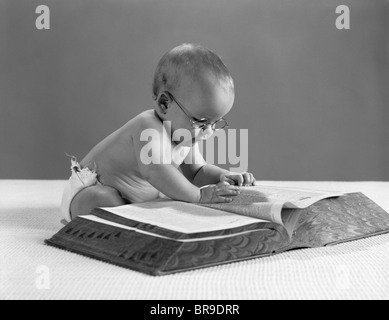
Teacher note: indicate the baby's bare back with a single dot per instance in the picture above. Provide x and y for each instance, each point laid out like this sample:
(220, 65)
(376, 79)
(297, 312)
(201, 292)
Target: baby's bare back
(116, 162)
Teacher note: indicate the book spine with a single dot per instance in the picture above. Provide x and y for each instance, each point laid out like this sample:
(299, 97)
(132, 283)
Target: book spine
(157, 256)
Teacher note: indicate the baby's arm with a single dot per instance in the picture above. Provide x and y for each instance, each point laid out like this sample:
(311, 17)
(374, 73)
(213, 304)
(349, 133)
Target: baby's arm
(209, 174)
(197, 171)
(172, 183)
(163, 176)
(201, 173)
(166, 177)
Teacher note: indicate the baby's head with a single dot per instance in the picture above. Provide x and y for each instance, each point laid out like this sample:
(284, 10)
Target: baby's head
(193, 86)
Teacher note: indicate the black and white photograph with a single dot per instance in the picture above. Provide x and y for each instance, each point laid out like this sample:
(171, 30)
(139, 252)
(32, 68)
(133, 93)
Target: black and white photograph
(194, 154)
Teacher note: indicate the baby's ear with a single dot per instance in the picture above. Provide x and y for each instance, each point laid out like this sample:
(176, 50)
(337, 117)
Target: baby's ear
(163, 102)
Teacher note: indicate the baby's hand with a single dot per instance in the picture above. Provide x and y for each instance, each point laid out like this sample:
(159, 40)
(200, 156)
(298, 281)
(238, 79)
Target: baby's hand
(220, 193)
(240, 179)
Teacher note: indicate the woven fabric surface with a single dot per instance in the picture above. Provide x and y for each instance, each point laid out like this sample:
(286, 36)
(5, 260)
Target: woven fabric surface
(29, 213)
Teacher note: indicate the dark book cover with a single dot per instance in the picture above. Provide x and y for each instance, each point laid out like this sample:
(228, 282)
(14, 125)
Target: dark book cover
(154, 250)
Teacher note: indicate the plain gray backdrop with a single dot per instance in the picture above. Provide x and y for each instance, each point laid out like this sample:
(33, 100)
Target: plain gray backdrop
(313, 98)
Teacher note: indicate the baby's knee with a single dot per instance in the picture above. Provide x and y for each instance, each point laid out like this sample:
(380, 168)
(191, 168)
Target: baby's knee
(108, 197)
(98, 196)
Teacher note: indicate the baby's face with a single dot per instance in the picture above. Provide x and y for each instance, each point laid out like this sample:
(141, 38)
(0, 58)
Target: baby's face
(204, 99)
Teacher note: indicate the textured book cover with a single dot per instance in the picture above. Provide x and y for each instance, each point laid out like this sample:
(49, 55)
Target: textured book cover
(155, 250)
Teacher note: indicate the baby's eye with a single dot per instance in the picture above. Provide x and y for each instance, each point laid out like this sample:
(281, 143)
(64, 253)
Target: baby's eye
(199, 123)
(202, 122)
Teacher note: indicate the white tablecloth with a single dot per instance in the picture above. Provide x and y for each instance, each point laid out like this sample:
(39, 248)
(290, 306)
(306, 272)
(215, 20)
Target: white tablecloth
(29, 213)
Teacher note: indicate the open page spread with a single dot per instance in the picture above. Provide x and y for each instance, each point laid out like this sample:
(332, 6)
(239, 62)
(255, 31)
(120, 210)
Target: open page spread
(266, 202)
(181, 217)
(253, 205)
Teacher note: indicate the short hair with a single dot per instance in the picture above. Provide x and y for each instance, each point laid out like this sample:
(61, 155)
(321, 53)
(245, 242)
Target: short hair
(191, 60)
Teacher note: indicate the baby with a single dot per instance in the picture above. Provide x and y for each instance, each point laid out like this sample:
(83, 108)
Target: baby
(193, 90)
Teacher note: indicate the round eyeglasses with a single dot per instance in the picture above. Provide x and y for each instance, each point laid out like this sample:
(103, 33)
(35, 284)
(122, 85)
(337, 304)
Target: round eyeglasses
(200, 123)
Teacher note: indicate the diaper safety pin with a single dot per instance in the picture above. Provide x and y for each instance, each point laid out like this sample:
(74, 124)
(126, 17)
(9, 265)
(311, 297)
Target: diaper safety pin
(75, 167)
(76, 171)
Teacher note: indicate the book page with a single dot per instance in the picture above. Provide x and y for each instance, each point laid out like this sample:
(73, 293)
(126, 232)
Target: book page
(290, 218)
(268, 211)
(291, 197)
(266, 202)
(153, 234)
(180, 216)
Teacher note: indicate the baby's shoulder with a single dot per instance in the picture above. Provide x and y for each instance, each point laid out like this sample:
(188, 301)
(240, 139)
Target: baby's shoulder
(145, 120)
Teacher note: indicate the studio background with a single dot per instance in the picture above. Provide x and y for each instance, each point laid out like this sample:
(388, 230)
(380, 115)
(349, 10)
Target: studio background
(314, 98)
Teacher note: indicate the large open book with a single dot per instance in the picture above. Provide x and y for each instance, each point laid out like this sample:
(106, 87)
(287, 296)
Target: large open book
(165, 236)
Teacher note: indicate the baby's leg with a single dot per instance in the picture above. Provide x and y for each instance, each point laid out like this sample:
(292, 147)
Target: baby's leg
(92, 197)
